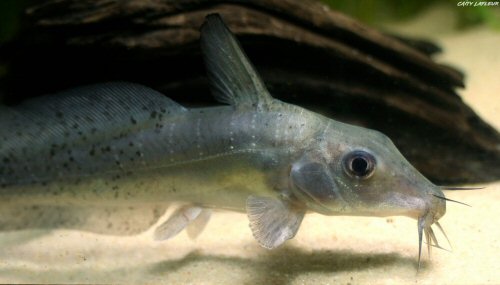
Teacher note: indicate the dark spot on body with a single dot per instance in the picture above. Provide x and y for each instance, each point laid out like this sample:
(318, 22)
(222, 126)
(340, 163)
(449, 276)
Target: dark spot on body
(153, 114)
(123, 134)
(133, 120)
(59, 114)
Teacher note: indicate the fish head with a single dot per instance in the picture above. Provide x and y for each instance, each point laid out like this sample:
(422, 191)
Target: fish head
(349, 170)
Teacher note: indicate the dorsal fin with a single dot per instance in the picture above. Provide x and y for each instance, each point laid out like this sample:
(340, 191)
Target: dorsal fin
(232, 76)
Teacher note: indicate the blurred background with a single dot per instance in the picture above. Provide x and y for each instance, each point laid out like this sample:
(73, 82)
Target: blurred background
(372, 12)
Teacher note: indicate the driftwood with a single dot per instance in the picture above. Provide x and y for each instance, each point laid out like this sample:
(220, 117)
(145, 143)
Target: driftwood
(306, 53)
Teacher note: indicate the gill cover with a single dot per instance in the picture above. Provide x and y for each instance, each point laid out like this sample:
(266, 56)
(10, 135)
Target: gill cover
(311, 180)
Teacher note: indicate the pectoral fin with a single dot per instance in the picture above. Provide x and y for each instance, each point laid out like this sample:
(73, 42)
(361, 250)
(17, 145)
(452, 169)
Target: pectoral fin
(273, 221)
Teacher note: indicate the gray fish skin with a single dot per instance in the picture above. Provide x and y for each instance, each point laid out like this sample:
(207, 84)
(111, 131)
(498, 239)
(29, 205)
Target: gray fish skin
(97, 157)
(192, 156)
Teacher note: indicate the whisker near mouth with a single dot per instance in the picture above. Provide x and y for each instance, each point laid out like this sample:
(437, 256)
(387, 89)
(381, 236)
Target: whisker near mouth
(440, 247)
(450, 200)
(421, 224)
(460, 188)
(444, 234)
(424, 228)
(428, 241)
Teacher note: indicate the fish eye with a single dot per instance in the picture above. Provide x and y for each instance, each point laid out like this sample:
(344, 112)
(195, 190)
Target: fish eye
(359, 164)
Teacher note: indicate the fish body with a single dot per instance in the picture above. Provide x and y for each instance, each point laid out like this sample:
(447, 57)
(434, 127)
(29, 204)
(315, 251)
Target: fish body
(199, 155)
(109, 158)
